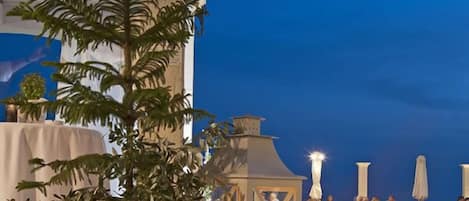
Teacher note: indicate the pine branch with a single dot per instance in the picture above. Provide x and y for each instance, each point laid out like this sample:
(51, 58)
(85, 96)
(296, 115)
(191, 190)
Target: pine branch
(71, 19)
(80, 104)
(71, 171)
(150, 68)
(171, 29)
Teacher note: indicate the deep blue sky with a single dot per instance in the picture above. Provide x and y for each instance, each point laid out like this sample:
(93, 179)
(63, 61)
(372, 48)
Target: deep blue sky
(381, 81)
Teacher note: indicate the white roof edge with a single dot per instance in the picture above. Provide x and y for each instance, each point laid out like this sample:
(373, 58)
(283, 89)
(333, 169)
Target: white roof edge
(16, 28)
(265, 177)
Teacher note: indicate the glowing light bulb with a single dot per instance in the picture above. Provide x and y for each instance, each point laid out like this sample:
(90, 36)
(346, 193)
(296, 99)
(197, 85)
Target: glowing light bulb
(317, 156)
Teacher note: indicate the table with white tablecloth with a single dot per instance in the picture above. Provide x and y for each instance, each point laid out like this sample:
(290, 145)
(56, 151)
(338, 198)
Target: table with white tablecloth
(20, 142)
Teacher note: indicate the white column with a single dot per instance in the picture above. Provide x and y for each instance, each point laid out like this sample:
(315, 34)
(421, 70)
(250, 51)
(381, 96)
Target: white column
(465, 180)
(189, 82)
(189, 51)
(363, 179)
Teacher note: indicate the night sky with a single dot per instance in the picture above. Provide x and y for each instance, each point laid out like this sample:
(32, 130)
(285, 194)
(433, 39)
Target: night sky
(380, 81)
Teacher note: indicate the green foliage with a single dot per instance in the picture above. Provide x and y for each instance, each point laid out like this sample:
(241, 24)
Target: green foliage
(150, 33)
(33, 86)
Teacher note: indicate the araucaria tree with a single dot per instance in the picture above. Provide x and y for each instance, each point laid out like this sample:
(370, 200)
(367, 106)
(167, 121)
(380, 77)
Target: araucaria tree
(150, 33)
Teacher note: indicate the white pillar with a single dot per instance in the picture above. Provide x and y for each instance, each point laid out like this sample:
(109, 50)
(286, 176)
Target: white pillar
(363, 179)
(465, 180)
(189, 76)
(189, 82)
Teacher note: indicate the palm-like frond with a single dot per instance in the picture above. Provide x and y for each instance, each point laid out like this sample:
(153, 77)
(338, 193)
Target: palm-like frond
(150, 68)
(113, 22)
(172, 28)
(72, 171)
(71, 19)
(80, 104)
(158, 108)
(92, 70)
(133, 15)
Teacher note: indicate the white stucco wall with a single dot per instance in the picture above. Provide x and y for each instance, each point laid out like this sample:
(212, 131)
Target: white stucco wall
(15, 24)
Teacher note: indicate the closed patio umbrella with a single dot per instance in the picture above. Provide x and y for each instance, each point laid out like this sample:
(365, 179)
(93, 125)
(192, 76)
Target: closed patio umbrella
(316, 166)
(420, 191)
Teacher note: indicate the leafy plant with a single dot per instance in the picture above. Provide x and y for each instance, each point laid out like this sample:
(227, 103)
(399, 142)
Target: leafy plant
(33, 86)
(150, 33)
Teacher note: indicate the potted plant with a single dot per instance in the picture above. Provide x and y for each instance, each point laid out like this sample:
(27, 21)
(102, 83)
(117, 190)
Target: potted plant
(33, 88)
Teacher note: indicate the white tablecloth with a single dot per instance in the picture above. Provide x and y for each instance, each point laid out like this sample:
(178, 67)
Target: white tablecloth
(20, 142)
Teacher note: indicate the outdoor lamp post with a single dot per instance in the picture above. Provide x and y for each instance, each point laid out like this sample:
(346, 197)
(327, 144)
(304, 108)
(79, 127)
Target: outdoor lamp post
(316, 166)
